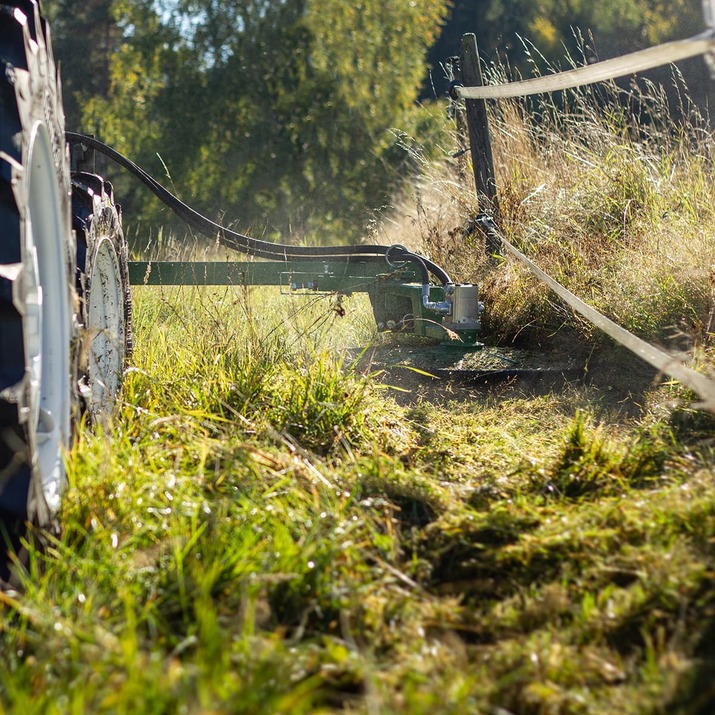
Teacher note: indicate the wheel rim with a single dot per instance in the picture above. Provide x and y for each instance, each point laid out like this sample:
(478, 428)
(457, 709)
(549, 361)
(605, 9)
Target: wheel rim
(46, 323)
(105, 322)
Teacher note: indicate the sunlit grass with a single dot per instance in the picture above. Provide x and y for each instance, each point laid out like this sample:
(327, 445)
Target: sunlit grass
(228, 546)
(266, 528)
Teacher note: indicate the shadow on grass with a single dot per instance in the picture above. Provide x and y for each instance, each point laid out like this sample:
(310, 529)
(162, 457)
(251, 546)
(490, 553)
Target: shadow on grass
(618, 380)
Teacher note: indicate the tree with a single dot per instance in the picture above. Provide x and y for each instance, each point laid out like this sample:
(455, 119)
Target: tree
(86, 37)
(554, 28)
(278, 113)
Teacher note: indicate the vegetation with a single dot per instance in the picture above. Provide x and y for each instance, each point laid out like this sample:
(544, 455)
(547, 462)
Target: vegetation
(294, 119)
(269, 525)
(277, 114)
(615, 26)
(509, 30)
(624, 218)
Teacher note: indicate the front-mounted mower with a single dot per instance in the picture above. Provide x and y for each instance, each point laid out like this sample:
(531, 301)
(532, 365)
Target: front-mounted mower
(400, 302)
(398, 281)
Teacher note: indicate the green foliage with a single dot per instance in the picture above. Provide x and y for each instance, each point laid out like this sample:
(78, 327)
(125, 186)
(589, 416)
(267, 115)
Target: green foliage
(85, 37)
(287, 118)
(277, 114)
(530, 36)
(617, 26)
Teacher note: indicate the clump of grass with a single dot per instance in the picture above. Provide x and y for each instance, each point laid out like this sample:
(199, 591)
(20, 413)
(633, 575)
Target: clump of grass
(261, 377)
(319, 404)
(589, 465)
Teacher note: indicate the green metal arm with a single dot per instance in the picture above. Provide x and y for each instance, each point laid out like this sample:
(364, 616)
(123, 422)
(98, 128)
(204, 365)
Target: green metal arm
(395, 294)
(318, 276)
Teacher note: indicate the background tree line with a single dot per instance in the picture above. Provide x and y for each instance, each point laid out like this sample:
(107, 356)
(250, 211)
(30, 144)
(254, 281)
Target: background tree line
(528, 36)
(294, 117)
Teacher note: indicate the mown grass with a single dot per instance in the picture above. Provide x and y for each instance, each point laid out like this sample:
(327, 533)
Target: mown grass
(239, 541)
(266, 528)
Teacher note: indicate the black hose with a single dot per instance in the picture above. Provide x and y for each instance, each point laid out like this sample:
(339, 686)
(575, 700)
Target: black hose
(253, 246)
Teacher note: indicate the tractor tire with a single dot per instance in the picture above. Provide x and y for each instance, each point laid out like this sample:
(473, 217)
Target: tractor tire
(37, 258)
(105, 302)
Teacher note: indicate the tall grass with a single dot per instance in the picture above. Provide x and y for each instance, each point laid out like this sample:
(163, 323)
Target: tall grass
(612, 196)
(608, 188)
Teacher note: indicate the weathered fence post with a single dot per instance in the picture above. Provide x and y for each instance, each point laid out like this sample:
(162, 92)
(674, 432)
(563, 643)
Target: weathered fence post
(478, 125)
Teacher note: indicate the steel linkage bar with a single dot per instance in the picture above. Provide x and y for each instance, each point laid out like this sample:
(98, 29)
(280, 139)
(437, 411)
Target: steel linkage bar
(318, 276)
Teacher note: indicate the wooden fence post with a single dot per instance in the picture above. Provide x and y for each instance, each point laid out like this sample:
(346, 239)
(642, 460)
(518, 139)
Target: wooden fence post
(478, 125)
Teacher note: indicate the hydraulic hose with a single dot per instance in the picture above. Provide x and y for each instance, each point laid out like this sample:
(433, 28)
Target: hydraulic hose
(257, 247)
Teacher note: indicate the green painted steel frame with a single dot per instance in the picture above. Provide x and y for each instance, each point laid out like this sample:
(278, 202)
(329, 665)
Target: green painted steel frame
(395, 292)
(318, 276)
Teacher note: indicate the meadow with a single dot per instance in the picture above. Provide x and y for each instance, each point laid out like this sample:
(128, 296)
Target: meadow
(269, 525)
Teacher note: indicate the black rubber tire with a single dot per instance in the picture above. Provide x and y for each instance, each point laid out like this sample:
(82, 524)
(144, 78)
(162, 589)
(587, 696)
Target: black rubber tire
(35, 245)
(105, 301)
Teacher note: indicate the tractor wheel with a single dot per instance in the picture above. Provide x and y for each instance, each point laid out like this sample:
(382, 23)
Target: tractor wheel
(36, 276)
(105, 297)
